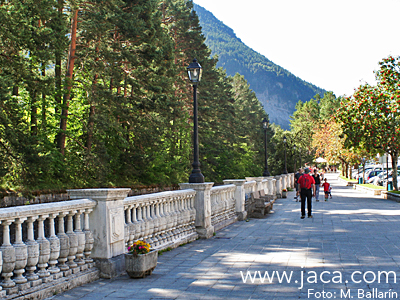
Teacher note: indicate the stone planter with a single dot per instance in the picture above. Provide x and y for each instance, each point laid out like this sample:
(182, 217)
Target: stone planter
(141, 265)
(284, 194)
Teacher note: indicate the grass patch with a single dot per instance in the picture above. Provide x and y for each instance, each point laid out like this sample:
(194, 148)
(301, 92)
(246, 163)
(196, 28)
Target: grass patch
(349, 180)
(164, 250)
(395, 192)
(373, 186)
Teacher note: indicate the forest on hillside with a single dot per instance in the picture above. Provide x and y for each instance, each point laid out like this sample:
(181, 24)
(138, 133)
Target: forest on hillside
(95, 94)
(277, 89)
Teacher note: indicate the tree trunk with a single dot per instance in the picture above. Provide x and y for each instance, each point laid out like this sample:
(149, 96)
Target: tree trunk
(395, 157)
(69, 77)
(44, 105)
(57, 69)
(33, 114)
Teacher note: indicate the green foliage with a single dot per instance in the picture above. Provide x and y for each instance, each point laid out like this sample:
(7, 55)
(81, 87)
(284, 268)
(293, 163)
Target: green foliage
(128, 114)
(370, 118)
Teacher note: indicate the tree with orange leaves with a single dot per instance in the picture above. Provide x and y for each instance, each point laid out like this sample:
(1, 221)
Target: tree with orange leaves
(328, 142)
(370, 118)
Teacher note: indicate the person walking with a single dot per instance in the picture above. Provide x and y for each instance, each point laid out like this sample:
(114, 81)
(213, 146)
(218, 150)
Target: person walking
(317, 180)
(296, 178)
(327, 188)
(306, 185)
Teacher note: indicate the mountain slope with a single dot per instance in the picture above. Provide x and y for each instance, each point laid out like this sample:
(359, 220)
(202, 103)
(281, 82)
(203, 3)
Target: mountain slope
(276, 88)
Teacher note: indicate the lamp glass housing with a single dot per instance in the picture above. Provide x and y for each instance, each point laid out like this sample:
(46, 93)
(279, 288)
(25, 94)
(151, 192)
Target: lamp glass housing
(194, 71)
(265, 123)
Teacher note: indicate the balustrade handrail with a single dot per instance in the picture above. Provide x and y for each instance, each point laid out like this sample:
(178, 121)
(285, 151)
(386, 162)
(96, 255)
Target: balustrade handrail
(155, 196)
(45, 208)
(222, 188)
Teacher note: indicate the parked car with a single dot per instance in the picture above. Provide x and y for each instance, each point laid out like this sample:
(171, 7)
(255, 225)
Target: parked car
(377, 180)
(371, 174)
(360, 173)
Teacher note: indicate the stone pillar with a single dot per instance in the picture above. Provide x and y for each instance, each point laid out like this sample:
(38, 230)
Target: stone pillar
(259, 183)
(271, 185)
(240, 197)
(107, 222)
(292, 180)
(284, 181)
(278, 186)
(202, 204)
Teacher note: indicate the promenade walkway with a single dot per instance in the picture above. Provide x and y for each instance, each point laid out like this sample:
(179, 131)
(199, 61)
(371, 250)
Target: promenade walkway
(341, 253)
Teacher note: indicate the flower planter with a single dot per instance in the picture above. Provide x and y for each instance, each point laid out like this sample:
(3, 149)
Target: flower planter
(284, 194)
(141, 265)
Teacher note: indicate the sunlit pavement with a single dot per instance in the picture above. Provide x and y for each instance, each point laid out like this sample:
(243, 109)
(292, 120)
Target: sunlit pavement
(342, 252)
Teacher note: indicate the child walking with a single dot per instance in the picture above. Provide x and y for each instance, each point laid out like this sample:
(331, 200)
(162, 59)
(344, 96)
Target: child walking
(327, 188)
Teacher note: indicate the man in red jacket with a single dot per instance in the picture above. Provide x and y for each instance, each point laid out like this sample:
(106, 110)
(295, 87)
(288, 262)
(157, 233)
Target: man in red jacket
(306, 185)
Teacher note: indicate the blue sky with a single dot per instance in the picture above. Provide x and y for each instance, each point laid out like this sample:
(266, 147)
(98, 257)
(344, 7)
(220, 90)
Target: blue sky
(335, 45)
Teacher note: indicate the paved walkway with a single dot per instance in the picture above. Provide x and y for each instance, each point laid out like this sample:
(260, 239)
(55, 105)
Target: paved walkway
(340, 253)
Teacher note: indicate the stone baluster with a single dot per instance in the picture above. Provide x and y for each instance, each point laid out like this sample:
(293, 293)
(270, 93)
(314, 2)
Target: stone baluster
(129, 226)
(227, 205)
(140, 228)
(169, 219)
(33, 254)
(178, 210)
(192, 201)
(54, 249)
(8, 252)
(64, 245)
(44, 250)
(187, 213)
(159, 222)
(88, 238)
(73, 242)
(163, 221)
(21, 255)
(231, 204)
(81, 239)
(183, 216)
(2, 293)
(175, 224)
(146, 218)
(134, 231)
(154, 221)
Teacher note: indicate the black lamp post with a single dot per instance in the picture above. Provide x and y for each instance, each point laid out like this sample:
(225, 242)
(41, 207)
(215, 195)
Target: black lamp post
(194, 72)
(294, 157)
(265, 126)
(284, 141)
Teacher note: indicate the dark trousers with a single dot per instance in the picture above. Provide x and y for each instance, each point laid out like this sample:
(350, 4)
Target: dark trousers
(306, 194)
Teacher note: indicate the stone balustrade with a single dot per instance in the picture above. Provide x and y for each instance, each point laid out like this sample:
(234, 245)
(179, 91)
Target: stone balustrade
(47, 248)
(223, 211)
(44, 243)
(165, 219)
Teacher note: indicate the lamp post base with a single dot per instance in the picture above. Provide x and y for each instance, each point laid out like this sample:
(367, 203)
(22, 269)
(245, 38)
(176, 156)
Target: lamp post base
(266, 173)
(196, 177)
